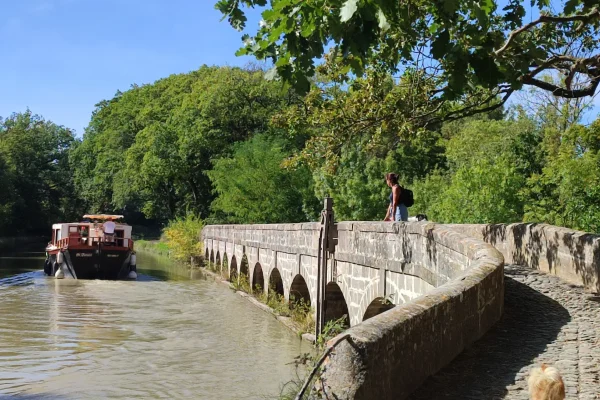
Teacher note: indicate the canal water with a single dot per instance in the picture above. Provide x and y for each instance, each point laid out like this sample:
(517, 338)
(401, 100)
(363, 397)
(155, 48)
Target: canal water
(171, 334)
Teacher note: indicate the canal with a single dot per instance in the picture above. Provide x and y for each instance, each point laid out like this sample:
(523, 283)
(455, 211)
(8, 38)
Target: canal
(170, 334)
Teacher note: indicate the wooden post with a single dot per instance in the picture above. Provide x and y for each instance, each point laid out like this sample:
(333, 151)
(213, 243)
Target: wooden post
(325, 237)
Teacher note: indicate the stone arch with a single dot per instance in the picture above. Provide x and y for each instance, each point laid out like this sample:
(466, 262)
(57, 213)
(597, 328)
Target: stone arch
(376, 307)
(336, 306)
(218, 259)
(299, 291)
(233, 269)
(258, 279)
(225, 264)
(206, 254)
(244, 269)
(276, 282)
(212, 256)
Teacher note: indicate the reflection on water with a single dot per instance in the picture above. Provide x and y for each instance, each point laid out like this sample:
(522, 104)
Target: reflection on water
(171, 334)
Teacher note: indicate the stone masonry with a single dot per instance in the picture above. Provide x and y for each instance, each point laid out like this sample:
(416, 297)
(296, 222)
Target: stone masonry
(447, 282)
(372, 260)
(546, 320)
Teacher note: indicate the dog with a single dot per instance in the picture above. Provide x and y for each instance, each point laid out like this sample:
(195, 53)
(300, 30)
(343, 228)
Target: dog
(418, 217)
(545, 383)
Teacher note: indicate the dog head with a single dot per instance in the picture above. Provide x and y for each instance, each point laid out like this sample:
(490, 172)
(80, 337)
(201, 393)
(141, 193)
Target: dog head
(545, 383)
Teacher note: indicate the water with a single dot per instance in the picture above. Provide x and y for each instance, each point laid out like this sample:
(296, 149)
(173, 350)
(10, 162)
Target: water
(171, 334)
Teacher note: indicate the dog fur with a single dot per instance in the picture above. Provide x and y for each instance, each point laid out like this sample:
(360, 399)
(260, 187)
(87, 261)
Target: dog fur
(545, 383)
(418, 217)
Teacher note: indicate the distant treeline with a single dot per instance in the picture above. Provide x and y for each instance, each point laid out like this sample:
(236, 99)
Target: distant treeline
(229, 146)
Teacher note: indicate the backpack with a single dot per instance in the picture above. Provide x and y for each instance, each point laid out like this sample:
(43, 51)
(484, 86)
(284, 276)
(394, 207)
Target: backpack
(406, 197)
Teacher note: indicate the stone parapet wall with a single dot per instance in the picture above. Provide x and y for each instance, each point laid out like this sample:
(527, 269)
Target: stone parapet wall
(290, 238)
(397, 260)
(571, 255)
(391, 354)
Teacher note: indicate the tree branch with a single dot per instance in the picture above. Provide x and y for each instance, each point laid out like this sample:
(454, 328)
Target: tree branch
(595, 13)
(562, 92)
(461, 114)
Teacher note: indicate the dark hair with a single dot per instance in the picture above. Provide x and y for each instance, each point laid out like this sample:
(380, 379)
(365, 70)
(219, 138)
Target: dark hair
(392, 178)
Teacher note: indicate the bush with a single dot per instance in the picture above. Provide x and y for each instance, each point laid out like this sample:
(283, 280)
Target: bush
(183, 237)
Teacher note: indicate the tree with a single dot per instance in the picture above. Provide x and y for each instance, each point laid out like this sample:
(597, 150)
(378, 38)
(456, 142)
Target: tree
(566, 192)
(148, 148)
(489, 162)
(253, 187)
(35, 173)
(7, 200)
(473, 51)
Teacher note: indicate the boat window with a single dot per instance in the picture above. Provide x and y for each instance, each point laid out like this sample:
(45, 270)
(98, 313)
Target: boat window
(73, 229)
(53, 236)
(58, 236)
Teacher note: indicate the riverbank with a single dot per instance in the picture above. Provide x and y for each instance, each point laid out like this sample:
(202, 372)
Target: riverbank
(153, 246)
(10, 243)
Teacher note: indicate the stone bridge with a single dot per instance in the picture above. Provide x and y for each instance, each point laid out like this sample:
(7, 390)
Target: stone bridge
(372, 261)
(444, 285)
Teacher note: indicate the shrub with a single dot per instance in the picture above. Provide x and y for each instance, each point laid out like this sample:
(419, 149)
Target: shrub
(183, 237)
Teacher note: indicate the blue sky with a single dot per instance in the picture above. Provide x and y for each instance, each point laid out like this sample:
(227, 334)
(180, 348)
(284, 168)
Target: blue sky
(61, 57)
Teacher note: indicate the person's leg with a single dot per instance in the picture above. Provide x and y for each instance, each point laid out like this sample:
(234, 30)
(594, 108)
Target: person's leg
(403, 213)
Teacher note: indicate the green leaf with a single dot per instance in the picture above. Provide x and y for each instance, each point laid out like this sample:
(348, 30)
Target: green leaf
(271, 74)
(383, 24)
(482, 17)
(486, 5)
(308, 29)
(348, 10)
(282, 61)
(571, 5)
(439, 46)
(450, 6)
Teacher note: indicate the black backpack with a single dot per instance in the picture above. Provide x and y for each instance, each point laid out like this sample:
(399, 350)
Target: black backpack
(406, 197)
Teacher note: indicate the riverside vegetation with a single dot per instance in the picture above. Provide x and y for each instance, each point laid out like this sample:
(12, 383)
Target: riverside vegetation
(267, 156)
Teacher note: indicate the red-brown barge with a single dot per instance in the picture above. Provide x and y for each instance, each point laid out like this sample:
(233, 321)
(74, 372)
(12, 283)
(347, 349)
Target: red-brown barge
(97, 248)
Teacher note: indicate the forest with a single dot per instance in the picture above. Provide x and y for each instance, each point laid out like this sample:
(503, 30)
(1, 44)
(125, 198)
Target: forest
(229, 146)
(266, 145)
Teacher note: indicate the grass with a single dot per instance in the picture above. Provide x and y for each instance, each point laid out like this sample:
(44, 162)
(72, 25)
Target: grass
(153, 246)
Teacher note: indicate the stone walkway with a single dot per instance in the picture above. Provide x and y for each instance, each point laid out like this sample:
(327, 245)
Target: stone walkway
(545, 320)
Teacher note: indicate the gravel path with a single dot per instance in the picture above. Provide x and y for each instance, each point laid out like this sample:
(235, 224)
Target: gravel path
(545, 320)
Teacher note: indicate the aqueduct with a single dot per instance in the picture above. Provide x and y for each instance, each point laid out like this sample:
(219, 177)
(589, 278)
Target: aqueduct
(441, 285)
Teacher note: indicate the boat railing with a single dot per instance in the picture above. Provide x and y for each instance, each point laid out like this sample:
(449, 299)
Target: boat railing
(93, 241)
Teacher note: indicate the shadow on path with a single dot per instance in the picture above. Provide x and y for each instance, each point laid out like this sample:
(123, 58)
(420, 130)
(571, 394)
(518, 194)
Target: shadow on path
(530, 322)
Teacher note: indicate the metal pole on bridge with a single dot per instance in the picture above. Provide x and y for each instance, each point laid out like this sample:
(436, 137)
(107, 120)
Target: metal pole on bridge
(325, 244)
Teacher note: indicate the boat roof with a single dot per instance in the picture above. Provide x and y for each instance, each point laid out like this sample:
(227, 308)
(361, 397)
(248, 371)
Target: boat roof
(105, 217)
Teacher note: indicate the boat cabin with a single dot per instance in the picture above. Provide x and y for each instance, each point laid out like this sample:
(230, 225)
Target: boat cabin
(93, 230)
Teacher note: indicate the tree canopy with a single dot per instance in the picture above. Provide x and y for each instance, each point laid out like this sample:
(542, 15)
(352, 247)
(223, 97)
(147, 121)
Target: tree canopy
(35, 176)
(474, 53)
(148, 148)
(253, 187)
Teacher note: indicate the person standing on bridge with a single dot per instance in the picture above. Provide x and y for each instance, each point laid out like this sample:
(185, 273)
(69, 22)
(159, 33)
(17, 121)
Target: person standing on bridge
(396, 211)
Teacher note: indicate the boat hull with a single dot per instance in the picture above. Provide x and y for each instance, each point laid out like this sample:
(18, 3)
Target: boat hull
(92, 263)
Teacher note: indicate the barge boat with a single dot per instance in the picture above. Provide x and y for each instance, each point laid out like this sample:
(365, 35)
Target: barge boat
(100, 247)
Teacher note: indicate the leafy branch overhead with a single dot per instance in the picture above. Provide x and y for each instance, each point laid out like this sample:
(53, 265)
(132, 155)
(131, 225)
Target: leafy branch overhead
(462, 46)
